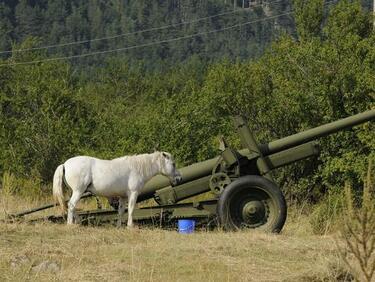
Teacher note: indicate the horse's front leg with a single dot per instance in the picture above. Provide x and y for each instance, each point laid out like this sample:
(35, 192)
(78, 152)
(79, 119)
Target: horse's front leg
(131, 205)
(72, 206)
(121, 210)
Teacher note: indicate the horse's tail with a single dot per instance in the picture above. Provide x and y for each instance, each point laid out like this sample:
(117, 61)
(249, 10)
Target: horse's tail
(58, 193)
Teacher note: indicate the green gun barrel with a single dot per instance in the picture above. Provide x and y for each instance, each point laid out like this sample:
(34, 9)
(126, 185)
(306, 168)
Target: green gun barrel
(202, 169)
(188, 173)
(317, 132)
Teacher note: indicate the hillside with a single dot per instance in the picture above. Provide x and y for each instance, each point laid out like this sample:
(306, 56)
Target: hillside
(60, 22)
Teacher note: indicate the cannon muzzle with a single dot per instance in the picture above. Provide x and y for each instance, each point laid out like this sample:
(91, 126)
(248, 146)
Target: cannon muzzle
(315, 133)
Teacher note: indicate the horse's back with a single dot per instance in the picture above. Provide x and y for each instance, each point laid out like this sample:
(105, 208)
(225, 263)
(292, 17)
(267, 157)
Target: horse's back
(102, 177)
(79, 162)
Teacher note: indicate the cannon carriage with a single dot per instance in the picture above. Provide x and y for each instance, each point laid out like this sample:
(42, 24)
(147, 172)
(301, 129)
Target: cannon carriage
(244, 193)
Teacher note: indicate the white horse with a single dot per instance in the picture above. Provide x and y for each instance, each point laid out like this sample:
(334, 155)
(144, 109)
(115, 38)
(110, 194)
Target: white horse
(122, 177)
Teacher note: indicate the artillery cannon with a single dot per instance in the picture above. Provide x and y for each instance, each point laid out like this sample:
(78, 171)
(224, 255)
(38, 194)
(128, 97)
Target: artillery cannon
(245, 194)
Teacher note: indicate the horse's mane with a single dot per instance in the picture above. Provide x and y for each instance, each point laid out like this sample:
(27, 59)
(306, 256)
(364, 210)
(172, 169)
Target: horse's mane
(142, 163)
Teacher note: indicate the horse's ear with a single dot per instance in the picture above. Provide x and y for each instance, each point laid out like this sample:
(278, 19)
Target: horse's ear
(165, 155)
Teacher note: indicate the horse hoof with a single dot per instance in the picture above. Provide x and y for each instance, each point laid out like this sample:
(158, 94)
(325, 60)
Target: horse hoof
(133, 227)
(130, 227)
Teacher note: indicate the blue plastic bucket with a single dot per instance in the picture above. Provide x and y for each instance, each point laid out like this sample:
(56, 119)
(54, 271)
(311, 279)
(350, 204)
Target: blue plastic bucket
(186, 226)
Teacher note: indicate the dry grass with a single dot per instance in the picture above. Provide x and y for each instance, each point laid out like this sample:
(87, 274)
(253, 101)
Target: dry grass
(93, 254)
(110, 254)
(358, 231)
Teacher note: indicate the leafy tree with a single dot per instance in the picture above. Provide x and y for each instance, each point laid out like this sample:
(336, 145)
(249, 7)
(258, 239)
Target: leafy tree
(6, 27)
(309, 17)
(43, 121)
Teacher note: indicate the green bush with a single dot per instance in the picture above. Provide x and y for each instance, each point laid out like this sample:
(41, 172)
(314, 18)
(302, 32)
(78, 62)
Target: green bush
(30, 188)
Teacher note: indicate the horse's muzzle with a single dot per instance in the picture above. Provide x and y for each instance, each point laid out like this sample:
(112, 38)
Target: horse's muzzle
(177, 180)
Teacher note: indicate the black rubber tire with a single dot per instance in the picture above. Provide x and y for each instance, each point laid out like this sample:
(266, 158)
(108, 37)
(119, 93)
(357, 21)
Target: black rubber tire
(249, 191)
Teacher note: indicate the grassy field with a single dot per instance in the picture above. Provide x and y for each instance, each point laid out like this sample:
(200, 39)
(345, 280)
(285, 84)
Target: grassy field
(52, 252)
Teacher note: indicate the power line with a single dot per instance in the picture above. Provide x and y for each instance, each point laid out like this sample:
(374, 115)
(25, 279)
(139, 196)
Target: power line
(130, 33)
(152, 43)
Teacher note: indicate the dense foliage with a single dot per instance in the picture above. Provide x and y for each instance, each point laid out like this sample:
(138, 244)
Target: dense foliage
(48, 112)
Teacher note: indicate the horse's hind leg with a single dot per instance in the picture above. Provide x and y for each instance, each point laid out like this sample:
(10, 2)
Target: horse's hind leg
(72, 206)
(121, 209)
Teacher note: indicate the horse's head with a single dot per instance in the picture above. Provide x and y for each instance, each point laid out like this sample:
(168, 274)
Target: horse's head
(168, 168)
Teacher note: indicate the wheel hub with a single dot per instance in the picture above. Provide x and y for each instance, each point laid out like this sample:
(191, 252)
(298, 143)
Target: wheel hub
(254, 212)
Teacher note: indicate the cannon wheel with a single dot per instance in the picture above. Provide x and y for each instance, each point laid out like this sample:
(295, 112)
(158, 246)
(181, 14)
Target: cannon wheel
(252, 202)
